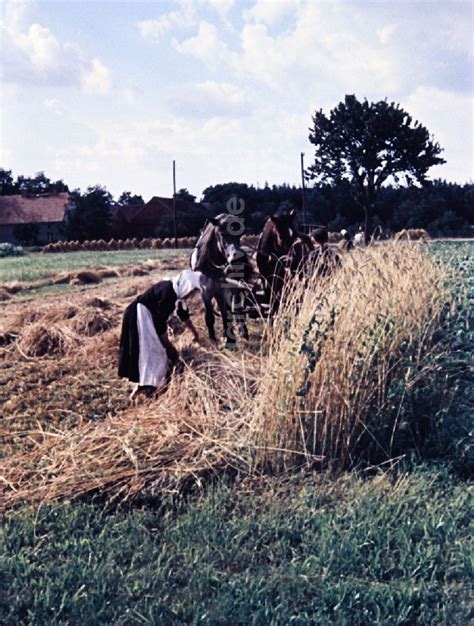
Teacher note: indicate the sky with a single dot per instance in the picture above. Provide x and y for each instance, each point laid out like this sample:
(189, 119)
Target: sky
(110, 92)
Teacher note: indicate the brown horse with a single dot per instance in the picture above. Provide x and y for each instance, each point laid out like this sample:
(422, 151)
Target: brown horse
(281, 252)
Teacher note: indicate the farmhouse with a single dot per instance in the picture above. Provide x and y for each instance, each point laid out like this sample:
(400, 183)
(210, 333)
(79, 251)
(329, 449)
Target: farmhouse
(32, 218)
(150, 219)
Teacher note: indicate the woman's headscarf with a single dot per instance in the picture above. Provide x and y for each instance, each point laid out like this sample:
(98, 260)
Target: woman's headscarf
(186, 282)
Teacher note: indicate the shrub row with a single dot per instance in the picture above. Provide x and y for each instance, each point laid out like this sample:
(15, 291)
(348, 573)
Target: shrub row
(8, 249)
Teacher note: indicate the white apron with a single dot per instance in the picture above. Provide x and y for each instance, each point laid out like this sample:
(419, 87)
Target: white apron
(152, 357)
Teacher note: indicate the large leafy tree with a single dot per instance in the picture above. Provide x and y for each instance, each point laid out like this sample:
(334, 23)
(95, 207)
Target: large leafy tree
(184, 194)
(89, 214)
(368, 143)
(7, 186)
(39, 184)
(128, 199)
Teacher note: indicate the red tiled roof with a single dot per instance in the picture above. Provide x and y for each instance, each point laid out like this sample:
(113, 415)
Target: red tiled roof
(33, 209)
(154, 209)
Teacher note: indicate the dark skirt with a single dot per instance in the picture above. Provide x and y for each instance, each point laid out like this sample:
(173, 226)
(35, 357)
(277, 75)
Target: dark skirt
(129, 345)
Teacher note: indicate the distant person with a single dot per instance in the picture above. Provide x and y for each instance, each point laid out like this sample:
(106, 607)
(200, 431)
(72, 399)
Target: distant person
(323, 259)
(359, 238)
(147, 356)
(346, 241)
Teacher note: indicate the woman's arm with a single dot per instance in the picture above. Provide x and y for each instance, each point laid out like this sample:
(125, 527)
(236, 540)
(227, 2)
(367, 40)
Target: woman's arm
(189, 324)
(171, 351)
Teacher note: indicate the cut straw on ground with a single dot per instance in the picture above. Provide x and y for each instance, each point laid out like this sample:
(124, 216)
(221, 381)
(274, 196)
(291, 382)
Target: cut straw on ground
(332, 385)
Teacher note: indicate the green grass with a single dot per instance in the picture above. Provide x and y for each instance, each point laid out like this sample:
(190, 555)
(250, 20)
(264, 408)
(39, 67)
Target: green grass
(36, 266)
(309, 552)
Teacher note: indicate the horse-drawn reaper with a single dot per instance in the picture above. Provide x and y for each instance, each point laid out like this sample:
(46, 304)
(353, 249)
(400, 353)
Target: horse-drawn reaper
(229, 278)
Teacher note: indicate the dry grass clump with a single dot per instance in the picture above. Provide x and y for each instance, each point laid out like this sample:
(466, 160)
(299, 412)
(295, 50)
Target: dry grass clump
(99, 303)
(86, 277)
(48, 314)
(13, 287)
(42, 339)
(92, 322)
(4, 294)
(6, 338)
(339, 373)
(412, 234)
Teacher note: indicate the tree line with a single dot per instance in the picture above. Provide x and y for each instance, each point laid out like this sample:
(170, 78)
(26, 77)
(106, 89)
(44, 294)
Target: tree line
(371, 161)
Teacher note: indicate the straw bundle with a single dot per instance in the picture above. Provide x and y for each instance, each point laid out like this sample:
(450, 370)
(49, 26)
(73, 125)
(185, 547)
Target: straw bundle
(99, 303)
(42, 339)
(4, 294)
(412, 234)
(86, 277)
(92, 322)
(49, 314)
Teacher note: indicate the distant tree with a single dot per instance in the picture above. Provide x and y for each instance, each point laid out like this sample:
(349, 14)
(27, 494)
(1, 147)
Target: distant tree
(89, 215)
(39, 184)
(7, 186)
(183, 194)
(127, 199)
(369, 143)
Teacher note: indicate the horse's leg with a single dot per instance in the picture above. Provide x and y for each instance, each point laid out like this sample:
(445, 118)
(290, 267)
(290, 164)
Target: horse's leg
(238, 312)
(210, 318)
(227, 318)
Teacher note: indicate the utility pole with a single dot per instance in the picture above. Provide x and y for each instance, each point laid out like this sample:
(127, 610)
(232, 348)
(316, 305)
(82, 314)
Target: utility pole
(174, 207)
(303, 191)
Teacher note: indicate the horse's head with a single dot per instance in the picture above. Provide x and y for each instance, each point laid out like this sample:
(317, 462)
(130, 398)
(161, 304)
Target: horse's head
(218, 247)
(283, 228)
(228, 231)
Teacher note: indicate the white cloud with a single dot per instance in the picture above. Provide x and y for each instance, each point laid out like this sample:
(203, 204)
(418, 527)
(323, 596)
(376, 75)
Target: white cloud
(155, 29)
(223, 92)
(270, 12)
(32, 54)
(97, 79)
(205, 45)
(209, 99)
(327, 48)
(385, 33)
(187, 15)
(15, 14)
(40, 47)
(448, 116)
(54, 105)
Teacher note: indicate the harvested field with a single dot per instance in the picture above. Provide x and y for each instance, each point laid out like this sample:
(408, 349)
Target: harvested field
(249, 411)
(94, 275)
